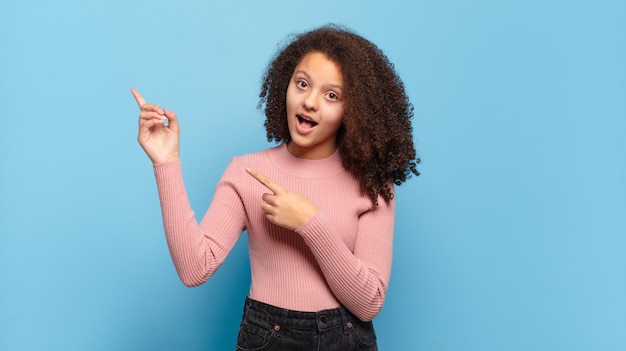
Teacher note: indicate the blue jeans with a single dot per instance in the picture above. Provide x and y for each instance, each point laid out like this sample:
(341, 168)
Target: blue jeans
(266, 327)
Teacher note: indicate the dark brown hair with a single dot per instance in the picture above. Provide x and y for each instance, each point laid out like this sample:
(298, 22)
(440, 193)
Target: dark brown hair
(375, 140)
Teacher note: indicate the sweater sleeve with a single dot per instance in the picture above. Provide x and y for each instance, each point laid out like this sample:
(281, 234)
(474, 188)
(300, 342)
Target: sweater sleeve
(198, 250)
(358, 279)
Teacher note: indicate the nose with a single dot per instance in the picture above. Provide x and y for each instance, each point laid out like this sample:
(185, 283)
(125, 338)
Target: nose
(311, 101)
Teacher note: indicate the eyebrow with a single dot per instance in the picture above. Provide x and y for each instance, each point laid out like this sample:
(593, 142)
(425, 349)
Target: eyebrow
(331, 85)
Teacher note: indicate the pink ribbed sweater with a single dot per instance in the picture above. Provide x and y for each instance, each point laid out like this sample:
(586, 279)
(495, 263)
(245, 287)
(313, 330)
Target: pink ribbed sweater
(341, 256)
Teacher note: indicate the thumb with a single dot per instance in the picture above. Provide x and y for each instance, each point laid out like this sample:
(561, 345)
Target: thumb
(172, 121)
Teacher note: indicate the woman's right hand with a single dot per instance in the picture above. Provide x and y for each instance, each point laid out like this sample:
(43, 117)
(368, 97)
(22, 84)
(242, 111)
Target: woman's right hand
(159, 141)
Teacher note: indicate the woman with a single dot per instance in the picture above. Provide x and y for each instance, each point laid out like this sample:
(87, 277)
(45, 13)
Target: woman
(318, 207)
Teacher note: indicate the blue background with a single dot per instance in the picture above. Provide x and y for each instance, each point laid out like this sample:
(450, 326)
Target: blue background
(514, 237)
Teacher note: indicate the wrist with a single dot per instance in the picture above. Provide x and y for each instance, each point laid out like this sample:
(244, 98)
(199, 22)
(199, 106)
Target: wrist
(161, 160)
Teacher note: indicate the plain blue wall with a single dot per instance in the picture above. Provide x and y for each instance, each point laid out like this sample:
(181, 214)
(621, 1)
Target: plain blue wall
(514, 237)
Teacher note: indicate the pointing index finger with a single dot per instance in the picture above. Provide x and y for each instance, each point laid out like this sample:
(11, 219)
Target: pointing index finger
(268, 183)
(140, 100)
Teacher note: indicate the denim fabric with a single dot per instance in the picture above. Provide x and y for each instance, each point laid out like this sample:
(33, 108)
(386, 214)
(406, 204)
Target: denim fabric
(265, 327)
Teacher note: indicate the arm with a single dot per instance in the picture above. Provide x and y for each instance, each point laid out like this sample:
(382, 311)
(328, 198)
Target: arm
(358, 279)
(198, 250)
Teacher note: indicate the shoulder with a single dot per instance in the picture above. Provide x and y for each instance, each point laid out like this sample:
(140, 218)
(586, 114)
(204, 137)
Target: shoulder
(270, 158)
(256, 161)
(255, 156)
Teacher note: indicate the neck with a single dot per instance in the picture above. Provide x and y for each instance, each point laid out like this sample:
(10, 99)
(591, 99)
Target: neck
(318, 153)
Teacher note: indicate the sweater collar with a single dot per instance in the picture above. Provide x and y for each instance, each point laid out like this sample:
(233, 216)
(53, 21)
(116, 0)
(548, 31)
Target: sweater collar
(301, 167)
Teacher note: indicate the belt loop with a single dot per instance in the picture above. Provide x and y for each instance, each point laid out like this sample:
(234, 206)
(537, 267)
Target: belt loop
(283, 320)
(246, 305)
(344, 319)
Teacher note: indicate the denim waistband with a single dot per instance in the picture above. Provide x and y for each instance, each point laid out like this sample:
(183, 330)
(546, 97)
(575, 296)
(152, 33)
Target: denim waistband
(321, 320)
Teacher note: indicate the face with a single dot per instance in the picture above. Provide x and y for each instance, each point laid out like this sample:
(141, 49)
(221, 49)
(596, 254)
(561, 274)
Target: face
(314, 107)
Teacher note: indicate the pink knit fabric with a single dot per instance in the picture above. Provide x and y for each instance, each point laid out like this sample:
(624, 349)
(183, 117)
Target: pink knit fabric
(341, 256)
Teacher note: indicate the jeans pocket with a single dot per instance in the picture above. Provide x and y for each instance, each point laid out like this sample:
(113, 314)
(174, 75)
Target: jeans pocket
(363, 333)
(254, 334)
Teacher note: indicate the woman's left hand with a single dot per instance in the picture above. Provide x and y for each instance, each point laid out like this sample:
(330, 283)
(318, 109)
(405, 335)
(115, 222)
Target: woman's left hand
(282, 207)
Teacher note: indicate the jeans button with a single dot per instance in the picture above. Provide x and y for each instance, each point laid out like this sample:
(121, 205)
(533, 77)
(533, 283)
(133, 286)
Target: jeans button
(323, 319)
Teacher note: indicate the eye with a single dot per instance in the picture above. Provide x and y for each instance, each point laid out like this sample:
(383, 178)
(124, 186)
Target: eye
(332, 96)
(302, 84)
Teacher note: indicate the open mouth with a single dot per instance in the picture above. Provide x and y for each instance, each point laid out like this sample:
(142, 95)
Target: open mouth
(307, 122)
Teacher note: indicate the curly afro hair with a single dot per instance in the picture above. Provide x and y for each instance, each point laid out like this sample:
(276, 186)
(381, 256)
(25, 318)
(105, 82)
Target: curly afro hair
(375, 140)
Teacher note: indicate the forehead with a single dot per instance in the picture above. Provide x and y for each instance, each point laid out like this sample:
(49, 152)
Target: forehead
(319, 67)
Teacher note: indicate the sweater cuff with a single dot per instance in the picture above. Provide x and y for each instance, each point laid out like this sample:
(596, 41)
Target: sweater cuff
(316, 228)
(167, 169)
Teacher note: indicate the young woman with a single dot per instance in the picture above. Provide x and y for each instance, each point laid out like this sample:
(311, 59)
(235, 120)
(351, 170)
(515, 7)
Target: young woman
(318, 208)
